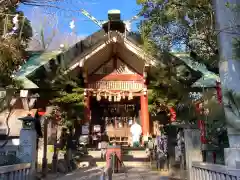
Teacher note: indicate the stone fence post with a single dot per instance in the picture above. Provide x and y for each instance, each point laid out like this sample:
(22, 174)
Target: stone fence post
(27, 148)
(192, 147)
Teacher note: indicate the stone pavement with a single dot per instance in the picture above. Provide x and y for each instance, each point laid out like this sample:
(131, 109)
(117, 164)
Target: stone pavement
(94, 173)
(138, 174)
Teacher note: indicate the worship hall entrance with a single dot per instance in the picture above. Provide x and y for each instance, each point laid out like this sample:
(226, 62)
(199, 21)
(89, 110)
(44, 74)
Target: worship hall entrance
(115, 117)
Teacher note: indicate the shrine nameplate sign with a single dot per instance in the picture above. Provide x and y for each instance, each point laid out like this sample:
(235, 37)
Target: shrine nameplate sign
(117, 85)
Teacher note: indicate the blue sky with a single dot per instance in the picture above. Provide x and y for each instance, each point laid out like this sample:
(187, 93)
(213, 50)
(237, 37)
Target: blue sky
(97, 8)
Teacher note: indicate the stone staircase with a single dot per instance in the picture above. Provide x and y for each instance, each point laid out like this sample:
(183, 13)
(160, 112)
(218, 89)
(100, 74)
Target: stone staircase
(132, 157)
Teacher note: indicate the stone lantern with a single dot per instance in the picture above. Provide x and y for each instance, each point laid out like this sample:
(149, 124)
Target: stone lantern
(28, 142)
(28, 122)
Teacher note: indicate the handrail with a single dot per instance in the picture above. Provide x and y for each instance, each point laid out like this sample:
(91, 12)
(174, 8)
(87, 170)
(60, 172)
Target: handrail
(108, 172)
(120, 161)
(15, 172)
(201, 170)
(15, 167)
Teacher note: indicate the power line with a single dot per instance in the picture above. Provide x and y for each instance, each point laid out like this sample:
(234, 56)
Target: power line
(82, 19)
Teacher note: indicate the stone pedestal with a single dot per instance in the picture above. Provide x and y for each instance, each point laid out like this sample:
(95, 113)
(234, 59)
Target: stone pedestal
(232, 154)
(27, 148)
(192, 148)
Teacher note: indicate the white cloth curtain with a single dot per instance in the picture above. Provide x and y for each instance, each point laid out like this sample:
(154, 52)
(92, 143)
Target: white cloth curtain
(136, 131)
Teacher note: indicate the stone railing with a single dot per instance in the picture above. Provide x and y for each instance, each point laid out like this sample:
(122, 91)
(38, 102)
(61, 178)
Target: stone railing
(15, 172)
(206, 171)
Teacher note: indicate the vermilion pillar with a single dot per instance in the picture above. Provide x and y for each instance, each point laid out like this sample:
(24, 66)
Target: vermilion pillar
(144, 116)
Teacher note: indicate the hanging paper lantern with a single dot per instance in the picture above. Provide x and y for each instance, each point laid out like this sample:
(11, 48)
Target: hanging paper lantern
(105, 95)
(172, 114)
(98, 97)
(57, 116)
(130, 96)
(123, 95)
(109, 98)
(199, 107)
(219, 92)
(119, 97)
(115, 98)
(41, 113)
(85, 92)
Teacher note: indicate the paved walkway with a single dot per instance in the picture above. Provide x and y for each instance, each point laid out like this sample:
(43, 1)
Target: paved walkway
(139, 174)
(95, 173)
(91, 173)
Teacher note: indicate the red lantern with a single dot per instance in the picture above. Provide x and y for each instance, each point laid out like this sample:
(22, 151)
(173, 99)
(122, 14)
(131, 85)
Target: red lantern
(41, 113)
(201, 126)
(58, 116)
(219, 92)
(173, 114)
(199, 107)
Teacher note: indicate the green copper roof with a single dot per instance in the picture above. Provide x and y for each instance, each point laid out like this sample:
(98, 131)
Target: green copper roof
(26, 83)
(33, 64)
(207, 80)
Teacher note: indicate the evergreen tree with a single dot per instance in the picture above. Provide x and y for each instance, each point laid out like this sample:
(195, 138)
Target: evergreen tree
(69, 97)
(14, 39)
(187, 25)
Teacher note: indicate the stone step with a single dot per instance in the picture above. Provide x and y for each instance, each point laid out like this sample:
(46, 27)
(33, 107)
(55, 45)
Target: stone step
(126, 163)
(136, 154)
(124, 158)
(133, 153)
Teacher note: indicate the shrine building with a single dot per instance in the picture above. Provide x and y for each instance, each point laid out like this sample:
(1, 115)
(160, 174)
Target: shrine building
(114, 71)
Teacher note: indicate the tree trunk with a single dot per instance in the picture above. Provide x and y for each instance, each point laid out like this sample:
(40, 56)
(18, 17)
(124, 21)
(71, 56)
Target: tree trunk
(49, 110)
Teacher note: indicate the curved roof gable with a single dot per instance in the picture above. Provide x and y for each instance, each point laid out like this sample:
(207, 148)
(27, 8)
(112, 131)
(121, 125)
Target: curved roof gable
(81, 52)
